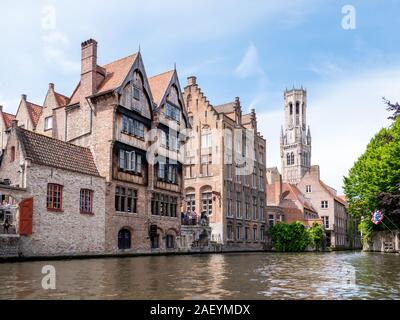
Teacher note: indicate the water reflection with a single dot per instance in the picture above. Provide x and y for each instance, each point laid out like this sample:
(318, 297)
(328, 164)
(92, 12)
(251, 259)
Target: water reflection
(346, 275)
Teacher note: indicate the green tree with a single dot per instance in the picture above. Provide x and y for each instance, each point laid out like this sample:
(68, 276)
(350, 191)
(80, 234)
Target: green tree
(317, 235)
(373, 181)
(292, 237)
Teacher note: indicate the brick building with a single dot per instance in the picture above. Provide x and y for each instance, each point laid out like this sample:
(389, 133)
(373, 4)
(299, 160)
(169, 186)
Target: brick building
(52, 117)
(60, 195)
(5, 126)
(302, 180)
(121, 114)
(287, 203)
(28, 114)
(331, 208)
(225, 170)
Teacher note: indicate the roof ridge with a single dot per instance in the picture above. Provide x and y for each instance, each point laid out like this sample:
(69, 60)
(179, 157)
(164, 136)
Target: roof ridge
(162, 73)
(54, 139)
(224, 104)
(34, 104)
(10, 114)
(120, 59)
(60, 94)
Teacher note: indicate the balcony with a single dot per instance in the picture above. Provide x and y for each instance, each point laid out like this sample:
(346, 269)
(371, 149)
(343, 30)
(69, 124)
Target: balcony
(187, 220)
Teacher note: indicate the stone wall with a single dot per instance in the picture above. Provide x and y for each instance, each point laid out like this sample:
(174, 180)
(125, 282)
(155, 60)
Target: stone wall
(9, 246)
(384, 241)
(66, 232)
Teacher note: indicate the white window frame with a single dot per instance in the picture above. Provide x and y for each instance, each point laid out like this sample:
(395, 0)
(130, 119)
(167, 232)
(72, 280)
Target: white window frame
(46, 123)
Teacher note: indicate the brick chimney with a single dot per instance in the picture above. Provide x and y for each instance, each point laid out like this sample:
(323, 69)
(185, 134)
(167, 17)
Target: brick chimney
(89, 68)
(314, 171)
(191, 81)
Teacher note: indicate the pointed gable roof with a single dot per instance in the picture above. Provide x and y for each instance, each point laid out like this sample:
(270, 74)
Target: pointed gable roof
(333, 194)
(34, 111)
(61, 99)
(290, 191)
(159, 85)
(48, 151)
(8, 118)
(226, 107)
(116, 73)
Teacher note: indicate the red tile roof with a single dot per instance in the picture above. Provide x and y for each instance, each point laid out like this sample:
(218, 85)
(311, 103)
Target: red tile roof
(55, 153)
(246, 118)
(328, 189)
(159, 84)
(226, 107)
(61, 99)
(116, 73)
(292, 189)
(8, 118)
(34, 111)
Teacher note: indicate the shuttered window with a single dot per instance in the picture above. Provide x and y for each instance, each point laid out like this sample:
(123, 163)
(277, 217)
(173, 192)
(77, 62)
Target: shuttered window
(130, 161)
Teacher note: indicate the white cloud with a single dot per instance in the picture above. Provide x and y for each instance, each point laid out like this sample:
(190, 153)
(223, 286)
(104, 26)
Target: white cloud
(343, 114)
(249, 65)
(56, 43)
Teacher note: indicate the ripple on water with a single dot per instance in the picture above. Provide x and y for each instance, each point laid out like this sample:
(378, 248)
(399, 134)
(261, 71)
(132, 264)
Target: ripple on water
(343, 275)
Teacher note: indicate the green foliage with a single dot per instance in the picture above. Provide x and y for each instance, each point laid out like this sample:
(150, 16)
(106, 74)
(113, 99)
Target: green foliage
(377, 171)
(292, 237)
(317, 235)
(366, 227)
(351, 230)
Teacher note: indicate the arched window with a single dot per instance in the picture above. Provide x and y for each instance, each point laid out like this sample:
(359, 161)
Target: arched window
(292, 158)
(291, 108)
(170, 241)
(124, 239)
(288, 159)
(297, 107)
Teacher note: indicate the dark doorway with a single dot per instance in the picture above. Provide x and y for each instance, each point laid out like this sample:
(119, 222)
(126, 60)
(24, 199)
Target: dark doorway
(155, 241)
(170, 241)
(124, 239)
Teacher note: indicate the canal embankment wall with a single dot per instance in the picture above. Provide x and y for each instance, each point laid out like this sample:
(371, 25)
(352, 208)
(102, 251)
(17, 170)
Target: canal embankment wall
(383, 241)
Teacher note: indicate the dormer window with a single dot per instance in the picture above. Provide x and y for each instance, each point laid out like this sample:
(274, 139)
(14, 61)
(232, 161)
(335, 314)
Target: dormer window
(136, 93)
(172, 112)
(48, 123)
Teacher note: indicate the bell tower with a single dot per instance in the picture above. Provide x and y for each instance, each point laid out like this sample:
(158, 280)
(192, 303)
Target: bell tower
(295, 137)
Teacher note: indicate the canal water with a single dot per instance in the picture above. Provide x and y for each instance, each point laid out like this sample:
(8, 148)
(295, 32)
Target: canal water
(341, 275)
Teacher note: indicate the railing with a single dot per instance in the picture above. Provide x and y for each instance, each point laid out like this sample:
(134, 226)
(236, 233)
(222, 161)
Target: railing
(188, 221)
(7, 219)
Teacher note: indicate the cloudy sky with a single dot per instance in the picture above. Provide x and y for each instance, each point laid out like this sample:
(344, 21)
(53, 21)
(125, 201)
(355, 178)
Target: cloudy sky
(236, 48)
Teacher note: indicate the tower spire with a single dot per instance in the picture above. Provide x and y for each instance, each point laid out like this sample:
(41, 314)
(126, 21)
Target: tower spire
(295, 140)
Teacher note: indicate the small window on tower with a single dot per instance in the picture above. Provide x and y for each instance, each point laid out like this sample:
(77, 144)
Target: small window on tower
(297, 107)
(291, 108)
